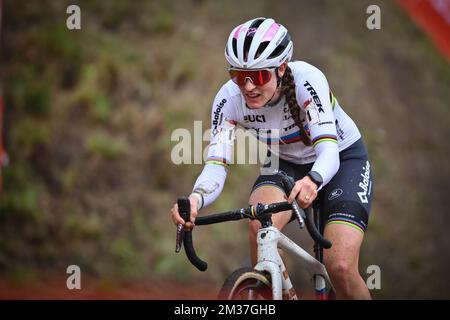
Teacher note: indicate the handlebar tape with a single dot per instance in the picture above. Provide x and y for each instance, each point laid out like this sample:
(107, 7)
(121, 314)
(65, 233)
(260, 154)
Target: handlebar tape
(312, 229)
(190, 252)
(184, 207)
(218, 217)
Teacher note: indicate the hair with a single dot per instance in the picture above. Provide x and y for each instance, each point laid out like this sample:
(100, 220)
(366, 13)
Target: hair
(288, 89)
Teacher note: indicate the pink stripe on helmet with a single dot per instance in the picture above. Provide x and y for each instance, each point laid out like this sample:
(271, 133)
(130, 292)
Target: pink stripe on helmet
(271, 32)
(236, 33)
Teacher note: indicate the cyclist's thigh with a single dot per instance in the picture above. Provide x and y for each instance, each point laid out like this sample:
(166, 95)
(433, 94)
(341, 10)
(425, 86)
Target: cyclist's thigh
(345, 207)
(347, 197)
(343, 256)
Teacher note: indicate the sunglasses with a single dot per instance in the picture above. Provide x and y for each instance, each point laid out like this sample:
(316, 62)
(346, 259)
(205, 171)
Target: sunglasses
(257, 77)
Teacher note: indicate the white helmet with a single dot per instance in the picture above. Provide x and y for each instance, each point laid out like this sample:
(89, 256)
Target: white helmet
(258, 43)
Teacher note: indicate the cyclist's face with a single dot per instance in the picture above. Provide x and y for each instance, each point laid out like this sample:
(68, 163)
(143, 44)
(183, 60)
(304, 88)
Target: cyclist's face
(257, 96)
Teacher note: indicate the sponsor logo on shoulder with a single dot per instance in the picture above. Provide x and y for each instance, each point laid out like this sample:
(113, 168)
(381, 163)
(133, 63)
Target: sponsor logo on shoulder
(335, 194)
(365, 184)
(217, 115)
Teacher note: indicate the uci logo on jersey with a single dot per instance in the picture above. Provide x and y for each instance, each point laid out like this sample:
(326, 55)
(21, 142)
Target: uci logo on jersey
(254, 118)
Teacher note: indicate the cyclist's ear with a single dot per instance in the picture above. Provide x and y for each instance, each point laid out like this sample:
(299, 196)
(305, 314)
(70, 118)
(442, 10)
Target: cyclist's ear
(282, 69)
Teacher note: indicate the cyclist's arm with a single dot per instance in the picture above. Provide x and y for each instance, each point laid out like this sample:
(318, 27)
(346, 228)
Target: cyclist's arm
(313, 96)
(211, 181)
(209, 184)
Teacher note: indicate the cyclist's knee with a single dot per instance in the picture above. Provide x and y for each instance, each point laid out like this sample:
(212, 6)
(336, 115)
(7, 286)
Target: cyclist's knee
(339, 268)
(341, 271)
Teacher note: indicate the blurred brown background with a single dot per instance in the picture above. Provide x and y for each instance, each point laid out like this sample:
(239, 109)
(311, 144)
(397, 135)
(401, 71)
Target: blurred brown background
(89, 115)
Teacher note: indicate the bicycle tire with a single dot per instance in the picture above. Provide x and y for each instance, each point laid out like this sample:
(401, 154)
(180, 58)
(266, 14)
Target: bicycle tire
(238, 285)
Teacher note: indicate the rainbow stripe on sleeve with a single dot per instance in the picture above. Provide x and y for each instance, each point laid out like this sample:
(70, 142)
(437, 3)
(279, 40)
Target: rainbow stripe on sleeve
(324, 137)
(217, 160)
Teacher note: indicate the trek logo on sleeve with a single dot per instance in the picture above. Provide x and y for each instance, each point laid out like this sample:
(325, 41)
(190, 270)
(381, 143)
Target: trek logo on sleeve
(314, 95)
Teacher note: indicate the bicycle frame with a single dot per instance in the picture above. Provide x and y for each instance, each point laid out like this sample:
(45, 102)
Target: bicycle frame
(268, 241)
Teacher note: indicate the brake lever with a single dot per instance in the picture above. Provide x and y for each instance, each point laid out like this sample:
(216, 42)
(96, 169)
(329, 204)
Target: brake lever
(289, 183)
(298, 214)
(179, 239)
(185, 209)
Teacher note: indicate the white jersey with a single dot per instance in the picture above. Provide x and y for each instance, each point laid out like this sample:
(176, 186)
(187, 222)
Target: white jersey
(329, 128)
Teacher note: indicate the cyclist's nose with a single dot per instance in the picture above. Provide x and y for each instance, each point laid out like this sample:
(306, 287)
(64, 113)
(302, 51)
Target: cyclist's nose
(249, 86)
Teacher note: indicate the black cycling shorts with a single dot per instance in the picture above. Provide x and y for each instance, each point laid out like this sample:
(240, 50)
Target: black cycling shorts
(346, 199)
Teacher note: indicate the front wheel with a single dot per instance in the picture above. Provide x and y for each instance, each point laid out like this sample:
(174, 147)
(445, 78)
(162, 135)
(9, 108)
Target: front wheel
(247, 284)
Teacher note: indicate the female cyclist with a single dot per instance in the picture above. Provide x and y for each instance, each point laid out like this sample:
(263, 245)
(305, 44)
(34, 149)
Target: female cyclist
(318, 144)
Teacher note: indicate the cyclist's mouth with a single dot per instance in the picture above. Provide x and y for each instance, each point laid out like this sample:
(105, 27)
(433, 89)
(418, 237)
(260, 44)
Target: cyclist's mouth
(252, 96)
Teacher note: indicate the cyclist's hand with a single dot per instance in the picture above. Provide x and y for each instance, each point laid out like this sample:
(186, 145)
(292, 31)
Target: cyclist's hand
(305, 191)
(177, 219)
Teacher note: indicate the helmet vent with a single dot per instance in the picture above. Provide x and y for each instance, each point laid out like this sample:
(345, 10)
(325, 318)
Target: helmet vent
(261, 48)
(250, 34)
(234, 44)
(281, 47)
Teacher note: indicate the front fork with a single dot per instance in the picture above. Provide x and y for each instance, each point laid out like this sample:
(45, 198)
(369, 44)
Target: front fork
(282, 287)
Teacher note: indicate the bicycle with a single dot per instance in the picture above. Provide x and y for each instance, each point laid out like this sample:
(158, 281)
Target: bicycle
(269, 279)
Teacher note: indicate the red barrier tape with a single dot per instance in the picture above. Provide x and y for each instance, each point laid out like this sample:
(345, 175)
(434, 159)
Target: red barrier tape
(434, 17)
(2, 151)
